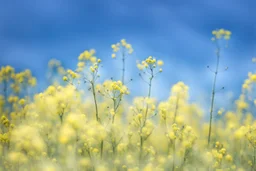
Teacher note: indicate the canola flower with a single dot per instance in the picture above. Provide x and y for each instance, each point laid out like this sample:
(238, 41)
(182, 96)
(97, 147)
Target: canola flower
(114, 90)
(218, 35)
(57, 128)
(125, 50)
(55, 71)
(88, 72)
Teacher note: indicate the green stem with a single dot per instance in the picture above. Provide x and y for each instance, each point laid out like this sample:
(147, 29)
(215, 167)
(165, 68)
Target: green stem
(5, 90)
(174, 155)
(115, 109)
(95, 101)
(5, 97)
(176, 109)
(101, 148)
(141, 147)
(213, 95)
(150, 86)
(114, 149)
(123, 69)
(61, 118)
(146, 113)
(174, 147)
(184, 158)
(254, 157)
(149, 94)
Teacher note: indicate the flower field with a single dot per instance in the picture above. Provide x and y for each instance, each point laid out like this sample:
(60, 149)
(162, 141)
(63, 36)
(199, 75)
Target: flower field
(80, 123)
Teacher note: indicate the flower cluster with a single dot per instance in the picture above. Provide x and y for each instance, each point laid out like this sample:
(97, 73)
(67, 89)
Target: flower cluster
(6, 73)
(55, 65)
(221, 33)
(220, 157)
(17, 81)
(123, 46)
(150, 63)
(112, 89)
(88, 58)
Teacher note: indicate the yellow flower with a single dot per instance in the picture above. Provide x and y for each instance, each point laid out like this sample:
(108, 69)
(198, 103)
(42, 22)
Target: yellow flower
(220, 112)
(65, 78)
(81, 57)
(140, 116)
(160, 63)
(113, 46)
(93, 59)
(92, 69)
(253, 77)
(32, 81)
(22, 101)
(228, 33)
(130, 51)
(221, 31)
(87, 55)
(113, 55)
(80, 64)
(128, 46)
(172, 135)
(214, 32)
(140, 67)
(123, 42)
(229, 158)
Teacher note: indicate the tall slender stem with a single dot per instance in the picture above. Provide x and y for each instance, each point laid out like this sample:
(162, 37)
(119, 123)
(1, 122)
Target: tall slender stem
(213, 94)
(174, 145)
(149, 93)
(141, 147)
(176, 109)
(5, 97)
(146, 113)
(174, 155)
(123, 69)
(95, 101)
(115, 108)
(101, 148)
(254, 157)
(5, 90)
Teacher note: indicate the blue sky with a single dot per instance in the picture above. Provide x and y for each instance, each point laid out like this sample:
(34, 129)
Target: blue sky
(179, 32)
